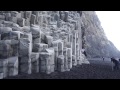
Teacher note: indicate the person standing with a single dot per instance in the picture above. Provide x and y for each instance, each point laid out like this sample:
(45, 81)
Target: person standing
(116, 64)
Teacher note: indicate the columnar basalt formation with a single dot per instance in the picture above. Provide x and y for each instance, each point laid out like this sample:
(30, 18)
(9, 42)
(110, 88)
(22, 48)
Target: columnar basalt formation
(39, 41)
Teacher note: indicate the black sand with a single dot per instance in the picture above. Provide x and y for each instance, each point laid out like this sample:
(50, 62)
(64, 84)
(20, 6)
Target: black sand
(85, 71)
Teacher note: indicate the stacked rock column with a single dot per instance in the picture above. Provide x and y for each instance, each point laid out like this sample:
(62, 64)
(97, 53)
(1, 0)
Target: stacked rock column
(47, 61)
(36, 37)
(8, 45)
(24, 56)
(74, 61)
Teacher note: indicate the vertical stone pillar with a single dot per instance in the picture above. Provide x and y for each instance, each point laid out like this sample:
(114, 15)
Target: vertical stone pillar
(74, 43)
(52, 61)
(65, 41)
(74, 60)
(74, 47)
(80, 37)
(55, 46)
(60, 63)
(35, 62)
(21, 22)
(69, 57)
(36, 34)
(24, 56)
(47, 61)
(60, 48)
(5, 46)
(65, 59)
(37, 15)
(25, 65)
(13, 66)
(4, 67)
(77, 54)
(33, 19)
(27, 14)
(77, 36)
(40, 19)
(49, 40)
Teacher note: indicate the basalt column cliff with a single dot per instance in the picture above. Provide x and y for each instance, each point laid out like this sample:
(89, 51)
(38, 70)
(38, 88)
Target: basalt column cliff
(40, 41)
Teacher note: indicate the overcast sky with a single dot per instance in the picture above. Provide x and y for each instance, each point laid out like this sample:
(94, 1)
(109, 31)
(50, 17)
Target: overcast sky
(110, 21)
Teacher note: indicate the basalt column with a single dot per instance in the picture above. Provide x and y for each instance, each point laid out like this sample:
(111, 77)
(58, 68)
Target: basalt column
(74, 62)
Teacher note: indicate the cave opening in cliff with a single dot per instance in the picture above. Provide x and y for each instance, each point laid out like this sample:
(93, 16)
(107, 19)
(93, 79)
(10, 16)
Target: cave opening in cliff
(110, 21)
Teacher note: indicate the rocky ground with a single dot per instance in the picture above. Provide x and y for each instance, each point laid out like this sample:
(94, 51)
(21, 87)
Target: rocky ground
(86, 71)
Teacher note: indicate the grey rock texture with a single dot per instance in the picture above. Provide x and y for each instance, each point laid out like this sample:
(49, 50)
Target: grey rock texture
(97, 44)
(49, 41)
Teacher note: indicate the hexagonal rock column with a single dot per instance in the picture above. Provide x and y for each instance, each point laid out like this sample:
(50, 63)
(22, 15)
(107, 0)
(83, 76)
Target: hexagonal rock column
(55, 46)
(74, 46)
(60, 47)
(38, 47)
(52, 61)
(69, 57)
(21, 22)
(77, 54)
(77, 36)
(4, 32)
(48, 40)
(29, 37)
(35, 62)
(36, 13)
(9, 47)
(32, 19)
(74, 60)
(24, 47)
(24, 56)
(70, 38)
(47, 61)
(27, 14)
(3, 68)
(13, 66)
(25, 65)
(7, 16)
(69, 45)
(65, 41)
(40, 19)
(36, 34)
(60, 63)
(65, 59)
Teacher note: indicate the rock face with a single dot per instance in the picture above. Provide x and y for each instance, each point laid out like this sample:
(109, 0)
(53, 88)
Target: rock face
(49, 41)
(40, 41)
(96, 42)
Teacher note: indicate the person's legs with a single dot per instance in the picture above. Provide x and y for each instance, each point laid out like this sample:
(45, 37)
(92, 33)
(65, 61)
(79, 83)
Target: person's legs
(114, 67)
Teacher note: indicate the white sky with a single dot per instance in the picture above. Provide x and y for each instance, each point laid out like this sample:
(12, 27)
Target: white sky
(110, 21)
